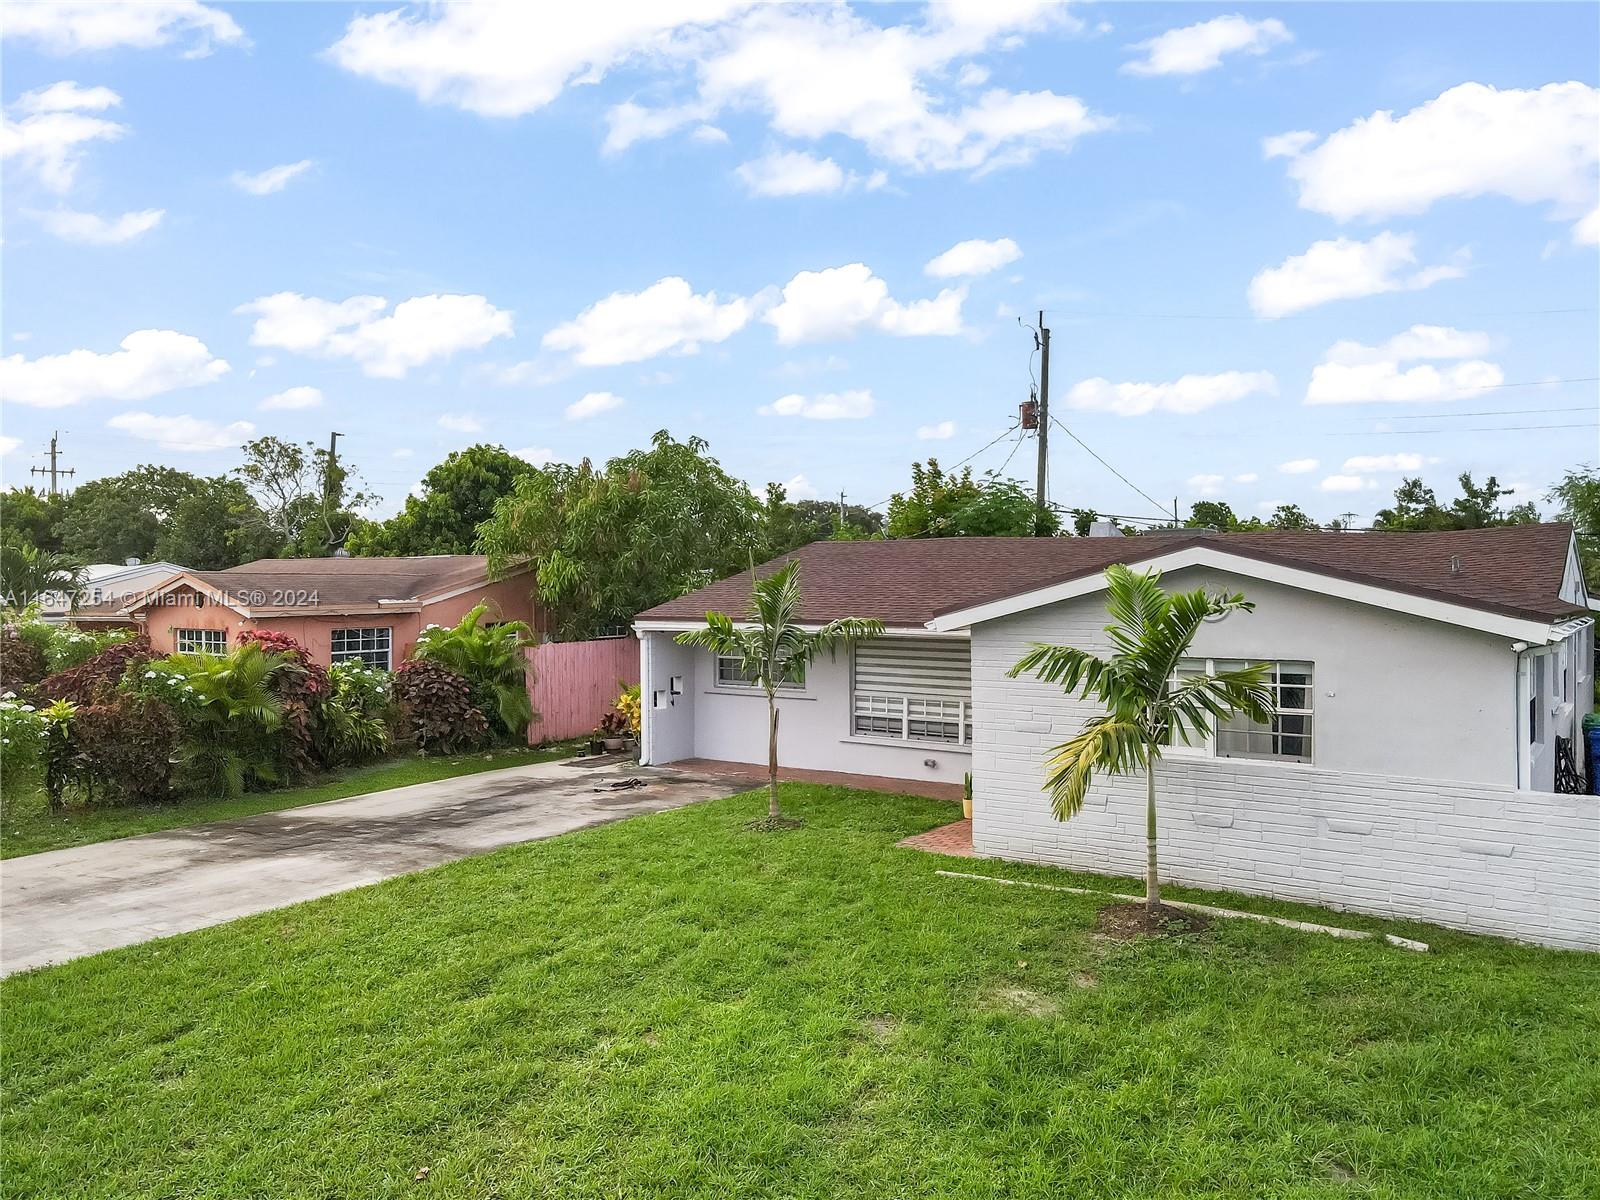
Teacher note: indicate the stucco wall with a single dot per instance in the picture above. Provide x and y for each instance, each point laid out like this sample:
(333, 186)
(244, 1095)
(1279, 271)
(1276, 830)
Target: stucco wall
(1409, 810)
(814, 725)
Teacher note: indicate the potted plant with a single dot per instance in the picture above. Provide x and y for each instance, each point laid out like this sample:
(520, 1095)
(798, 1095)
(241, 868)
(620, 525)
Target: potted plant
(613, 730)
(966, 796)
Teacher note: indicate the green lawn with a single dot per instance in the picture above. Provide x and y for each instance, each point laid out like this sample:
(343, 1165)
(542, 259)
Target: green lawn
(27, 826)
(673, 1006)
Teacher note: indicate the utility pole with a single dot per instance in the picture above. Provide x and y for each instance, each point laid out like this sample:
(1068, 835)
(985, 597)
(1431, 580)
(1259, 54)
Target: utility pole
(841, 510)
(1040, 500)
(52, 470)
(329, 468)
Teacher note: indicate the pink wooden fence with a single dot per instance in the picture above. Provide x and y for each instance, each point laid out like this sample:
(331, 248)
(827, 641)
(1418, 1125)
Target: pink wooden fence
(573, 684)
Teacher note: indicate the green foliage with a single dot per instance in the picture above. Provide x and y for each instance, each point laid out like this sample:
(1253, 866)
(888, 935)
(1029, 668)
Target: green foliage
(1212, 514)
(1290, 516)
(22, 662)
(1417, 508)
(32, 518)
(93, 680)
(1578, 495)
(27, 574)
(1150, 633)
(216, 526)
(24, 730)
(437, 711)
(610, 543)
(775, 648)
(787, 525)
(491, 658)
(955, 505)
(229, 710)
(305, 497)
(354, 717)
(456, 496)
(116, 752)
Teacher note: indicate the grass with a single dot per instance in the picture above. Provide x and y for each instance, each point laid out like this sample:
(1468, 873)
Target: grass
(27, 825)
(673, 1006)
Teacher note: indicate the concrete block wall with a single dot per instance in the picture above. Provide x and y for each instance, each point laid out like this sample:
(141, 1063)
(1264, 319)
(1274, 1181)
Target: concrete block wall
(1471, 855)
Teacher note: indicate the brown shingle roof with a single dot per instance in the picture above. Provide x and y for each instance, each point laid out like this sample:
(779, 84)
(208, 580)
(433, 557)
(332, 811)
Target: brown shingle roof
(1515, 570)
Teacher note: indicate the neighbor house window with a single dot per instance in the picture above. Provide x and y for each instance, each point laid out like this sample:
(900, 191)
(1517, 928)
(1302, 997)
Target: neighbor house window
(731, 673)
(201, 641)
(1285, 737)
(370, 646)
(913, 689)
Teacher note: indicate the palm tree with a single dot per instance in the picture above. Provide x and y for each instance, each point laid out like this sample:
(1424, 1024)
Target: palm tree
(775, 649)
(233, 713)
(28, 573)
(490, 658)
(1146, 702)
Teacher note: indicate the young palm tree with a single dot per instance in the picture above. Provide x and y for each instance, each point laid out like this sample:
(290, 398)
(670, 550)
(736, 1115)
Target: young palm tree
(775, 649)
(28, 573)
(1147, 705)
(490, 658)
(232, 716)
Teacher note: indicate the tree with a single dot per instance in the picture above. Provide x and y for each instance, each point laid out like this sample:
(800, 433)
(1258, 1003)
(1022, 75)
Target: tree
(455, 497)
(489, 657)
(956, 505)
(304, 495)
(787, 525)
(1212, 514)
(776, 649)
(1417, 508)
(32, 517)
(1290, 516)
(1146, 703)
(28, 573)
(217, 526)
(607, 544)
(1578, 495)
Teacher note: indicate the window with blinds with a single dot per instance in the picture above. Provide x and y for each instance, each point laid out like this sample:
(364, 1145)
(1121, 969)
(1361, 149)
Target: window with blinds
(913, 689)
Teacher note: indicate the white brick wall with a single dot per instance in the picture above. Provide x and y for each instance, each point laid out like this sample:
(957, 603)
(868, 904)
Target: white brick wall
(1478, 856)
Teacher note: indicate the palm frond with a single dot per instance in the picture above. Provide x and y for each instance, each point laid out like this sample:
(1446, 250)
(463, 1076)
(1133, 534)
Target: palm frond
(1077, 671)
(1104, 745)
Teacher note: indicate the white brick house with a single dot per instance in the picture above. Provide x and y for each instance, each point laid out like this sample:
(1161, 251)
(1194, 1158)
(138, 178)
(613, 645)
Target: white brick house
(1425, 683)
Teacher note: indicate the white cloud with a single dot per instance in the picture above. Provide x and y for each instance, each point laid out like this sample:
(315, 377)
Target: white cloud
(1374, 463)
(183, 433)
(48, 136)
(1344, 269)
(8, 444)
(1206, 485)
(150, 362)
(972, 75)
(709, 134)
(539, 456)
(94, 230)
(1298, 466)
(72, 26)
(1197, 48)
(1352, 373)
(460, 423)
(1587, 231)
(273, 179)
(1533, 146)
(813, 71)
(799, 488)
(974, 257)
(938, 432)
(1247, 477)
(667, 317)
(592, 405)
(829, 406)
(1190, 394)
(419, 330)
(796, 173)
(292, 398)
(1346, 483)
(837, 302)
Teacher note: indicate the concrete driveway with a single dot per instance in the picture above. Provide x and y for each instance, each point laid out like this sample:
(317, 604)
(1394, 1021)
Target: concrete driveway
(67, 903)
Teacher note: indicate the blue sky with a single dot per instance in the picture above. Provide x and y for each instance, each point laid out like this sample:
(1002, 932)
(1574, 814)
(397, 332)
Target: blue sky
(1287, 252)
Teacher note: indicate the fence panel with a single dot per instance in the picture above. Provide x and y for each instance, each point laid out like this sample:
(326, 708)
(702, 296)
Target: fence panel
(573, 684)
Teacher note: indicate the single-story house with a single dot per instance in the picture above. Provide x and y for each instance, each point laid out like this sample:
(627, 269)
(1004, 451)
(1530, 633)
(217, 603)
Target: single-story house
(1427, 684)
(102, 584)
(340, 608)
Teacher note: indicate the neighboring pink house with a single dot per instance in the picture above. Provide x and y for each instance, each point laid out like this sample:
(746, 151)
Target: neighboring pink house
(340, 608)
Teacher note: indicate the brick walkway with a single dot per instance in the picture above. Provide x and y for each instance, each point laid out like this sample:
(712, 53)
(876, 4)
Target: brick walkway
(954, 839)
(757, 775)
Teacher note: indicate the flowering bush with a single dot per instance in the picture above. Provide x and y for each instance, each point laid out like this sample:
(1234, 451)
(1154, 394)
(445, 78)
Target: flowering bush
(93, 681)
(437, 709)
(353, 719)
(61, 646)
(22, 663)
(23, 730)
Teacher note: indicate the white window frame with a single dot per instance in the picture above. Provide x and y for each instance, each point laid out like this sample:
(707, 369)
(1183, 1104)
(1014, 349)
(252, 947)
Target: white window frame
(359, 653)
(201, 641)
(737, 683)
(907, 709)
(1208, 748)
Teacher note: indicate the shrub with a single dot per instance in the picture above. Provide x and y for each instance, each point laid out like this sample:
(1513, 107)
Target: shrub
(23, 733)
(353, 719)
(93, 681)
(119, 752)
(437, 712)
(22, 663)
(230, 714)
(628, 705)
(493, 661)
(301, 685)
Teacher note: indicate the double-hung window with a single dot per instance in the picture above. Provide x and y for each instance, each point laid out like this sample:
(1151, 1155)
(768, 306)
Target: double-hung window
(1287, 734)
(200, 641)
(913, 689)
(731, 673)
(370, 646)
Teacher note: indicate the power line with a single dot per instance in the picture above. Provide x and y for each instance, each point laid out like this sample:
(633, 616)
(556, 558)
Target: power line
(988, 445)
(1493, 412)
(1107, 465)
(1131, 316)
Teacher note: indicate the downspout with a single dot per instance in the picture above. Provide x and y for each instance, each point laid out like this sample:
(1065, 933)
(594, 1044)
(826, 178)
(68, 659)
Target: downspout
(1519, 708)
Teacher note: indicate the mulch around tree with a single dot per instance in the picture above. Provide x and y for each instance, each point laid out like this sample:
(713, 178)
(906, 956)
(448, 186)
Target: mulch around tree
(1125, 922)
